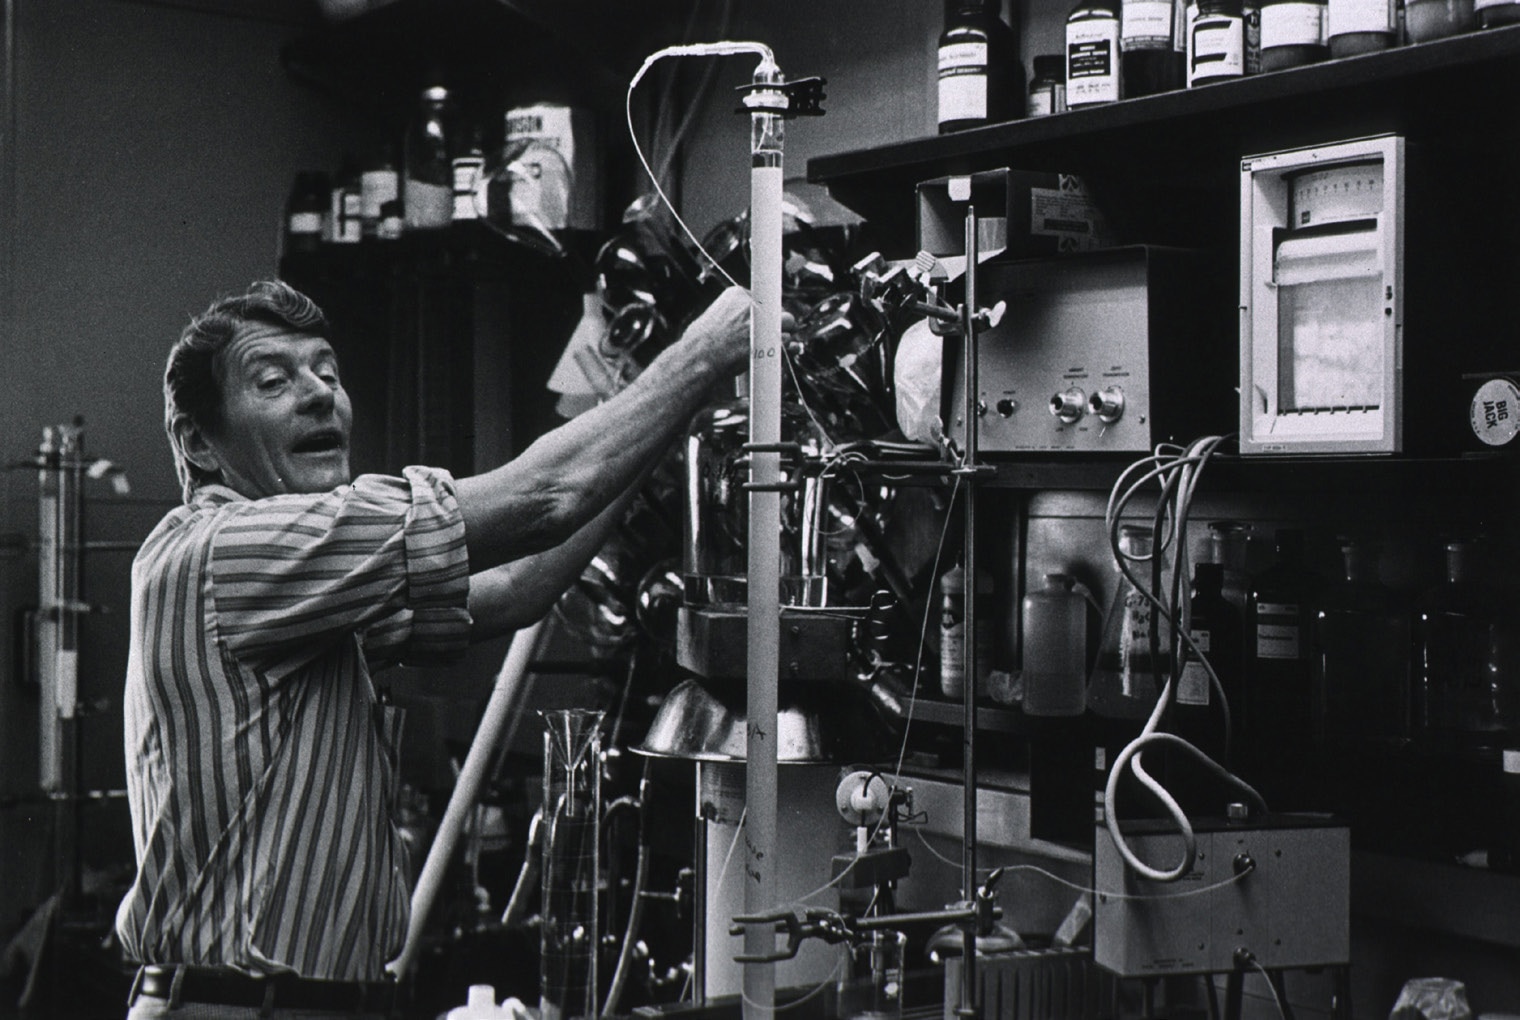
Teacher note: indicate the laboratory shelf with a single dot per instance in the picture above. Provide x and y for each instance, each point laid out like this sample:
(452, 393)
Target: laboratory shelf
(1474, 903)
(1179, 151)
(1422, 477)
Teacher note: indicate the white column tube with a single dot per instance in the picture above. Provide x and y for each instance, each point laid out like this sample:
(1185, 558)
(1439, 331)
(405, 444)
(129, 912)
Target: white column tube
(764, 588)
(500, 713)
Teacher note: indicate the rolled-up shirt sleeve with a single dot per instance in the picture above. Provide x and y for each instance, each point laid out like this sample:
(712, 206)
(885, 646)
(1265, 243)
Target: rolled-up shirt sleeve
(383, 558)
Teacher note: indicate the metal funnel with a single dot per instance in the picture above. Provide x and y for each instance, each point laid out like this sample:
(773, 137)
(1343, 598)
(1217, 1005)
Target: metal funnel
(696, 725)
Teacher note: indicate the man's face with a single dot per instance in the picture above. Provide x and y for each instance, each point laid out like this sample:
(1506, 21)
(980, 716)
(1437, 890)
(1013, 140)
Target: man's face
(285, 418)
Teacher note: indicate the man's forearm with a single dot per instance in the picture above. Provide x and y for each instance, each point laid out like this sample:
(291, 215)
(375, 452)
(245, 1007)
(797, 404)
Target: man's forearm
(514, 595)
(571, 474)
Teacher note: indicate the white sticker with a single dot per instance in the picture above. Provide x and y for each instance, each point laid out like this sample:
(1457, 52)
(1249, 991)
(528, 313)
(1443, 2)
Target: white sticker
(1193, 685)
(1068, 215)
(1146, 24)
(1495, 411)
(1275, 641)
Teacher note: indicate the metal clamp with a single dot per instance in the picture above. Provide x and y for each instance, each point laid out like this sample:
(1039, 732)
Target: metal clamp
(800, 98)
(811, 922)
(791, 454)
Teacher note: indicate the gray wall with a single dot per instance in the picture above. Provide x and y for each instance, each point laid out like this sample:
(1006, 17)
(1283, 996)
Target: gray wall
(145, 172)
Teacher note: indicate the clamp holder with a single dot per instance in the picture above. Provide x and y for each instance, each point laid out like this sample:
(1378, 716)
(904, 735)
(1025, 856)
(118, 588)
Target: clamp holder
(800, 98)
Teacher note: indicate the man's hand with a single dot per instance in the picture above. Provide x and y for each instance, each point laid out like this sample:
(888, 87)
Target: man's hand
(723, 329)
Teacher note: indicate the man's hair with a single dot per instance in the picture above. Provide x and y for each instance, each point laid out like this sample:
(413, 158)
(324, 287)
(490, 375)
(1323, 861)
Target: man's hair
(194, 375)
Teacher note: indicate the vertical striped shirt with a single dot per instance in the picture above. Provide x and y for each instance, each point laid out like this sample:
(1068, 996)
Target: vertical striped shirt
(260, 769)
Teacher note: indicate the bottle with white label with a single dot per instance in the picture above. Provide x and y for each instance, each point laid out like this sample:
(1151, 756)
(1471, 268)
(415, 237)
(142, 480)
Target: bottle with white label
(1134, 655)
(1093, 73)
(428, 182)
(952, 632)
(306, 211)
(1293, 33)
(1149, 46)
(1216, 43)
(344, 219)
(1361, 26)
(468, 166)
(378, 184)
(980, 78)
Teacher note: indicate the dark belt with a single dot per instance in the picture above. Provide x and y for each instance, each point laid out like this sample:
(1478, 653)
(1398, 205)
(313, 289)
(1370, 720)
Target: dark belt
(221, 987)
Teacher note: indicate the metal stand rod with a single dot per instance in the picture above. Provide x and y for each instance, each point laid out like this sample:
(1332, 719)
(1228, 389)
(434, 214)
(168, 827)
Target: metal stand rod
(699, 902)
(968, 1006)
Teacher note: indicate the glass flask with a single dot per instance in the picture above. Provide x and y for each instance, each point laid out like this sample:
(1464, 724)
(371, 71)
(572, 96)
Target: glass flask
(572, 812)
(1127, 675)
(715, 559)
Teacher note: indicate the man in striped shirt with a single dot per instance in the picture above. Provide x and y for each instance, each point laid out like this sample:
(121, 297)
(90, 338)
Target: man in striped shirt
(260, 765)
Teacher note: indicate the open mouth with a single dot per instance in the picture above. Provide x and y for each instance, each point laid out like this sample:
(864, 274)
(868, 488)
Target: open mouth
(325, 441)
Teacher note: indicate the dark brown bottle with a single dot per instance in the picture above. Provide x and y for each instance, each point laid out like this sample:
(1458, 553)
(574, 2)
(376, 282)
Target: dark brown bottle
(1360, 657)
(1150, 40)
(1197, 714)
(1277, 723)
(981, 80)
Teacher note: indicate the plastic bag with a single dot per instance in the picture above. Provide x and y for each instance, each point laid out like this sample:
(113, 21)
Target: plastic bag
(916, 373)
(1432, 998)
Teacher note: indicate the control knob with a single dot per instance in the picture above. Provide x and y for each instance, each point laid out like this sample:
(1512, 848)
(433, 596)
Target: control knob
(1069, 405)
(1107, 404)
